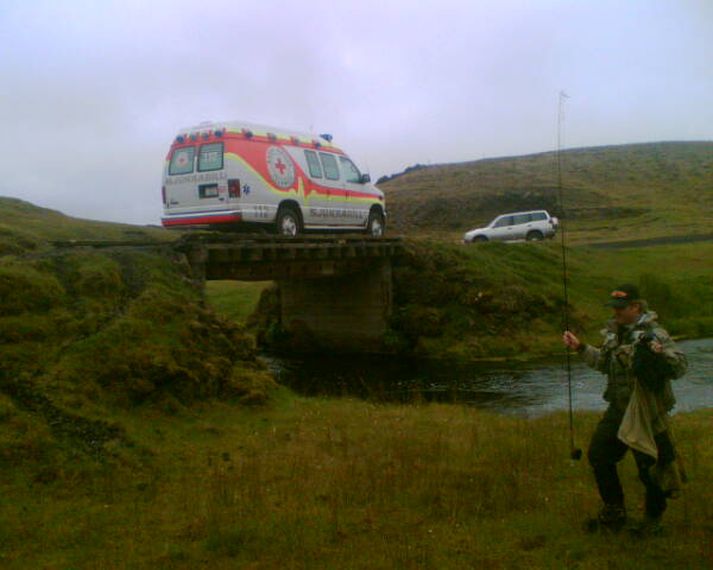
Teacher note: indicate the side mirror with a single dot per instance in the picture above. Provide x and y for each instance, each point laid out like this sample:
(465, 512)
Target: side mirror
(365, 178)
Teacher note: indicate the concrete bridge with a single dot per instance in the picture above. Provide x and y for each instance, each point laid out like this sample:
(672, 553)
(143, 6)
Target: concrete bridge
(336, 289)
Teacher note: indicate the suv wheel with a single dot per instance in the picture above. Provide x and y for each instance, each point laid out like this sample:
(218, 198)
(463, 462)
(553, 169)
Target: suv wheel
(535, 236)
(480, 239)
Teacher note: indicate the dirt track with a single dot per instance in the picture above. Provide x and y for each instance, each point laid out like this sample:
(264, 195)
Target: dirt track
(650, 242)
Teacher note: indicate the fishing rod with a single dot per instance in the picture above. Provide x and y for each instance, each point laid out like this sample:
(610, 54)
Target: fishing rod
(574, 452)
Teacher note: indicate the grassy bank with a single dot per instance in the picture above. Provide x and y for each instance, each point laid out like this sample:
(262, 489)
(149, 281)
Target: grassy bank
(87, 336)
(347, 484)
(501, 300)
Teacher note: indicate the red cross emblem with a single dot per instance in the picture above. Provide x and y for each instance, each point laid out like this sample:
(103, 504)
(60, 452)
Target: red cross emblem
(280, 167)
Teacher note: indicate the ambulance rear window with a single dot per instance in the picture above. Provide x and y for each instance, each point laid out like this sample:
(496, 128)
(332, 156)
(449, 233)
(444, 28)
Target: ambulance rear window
(182, 161)
(315, 170)
(210, 157)
(329, 163)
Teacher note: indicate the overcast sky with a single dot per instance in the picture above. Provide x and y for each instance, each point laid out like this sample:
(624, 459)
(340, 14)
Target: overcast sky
(92, 92)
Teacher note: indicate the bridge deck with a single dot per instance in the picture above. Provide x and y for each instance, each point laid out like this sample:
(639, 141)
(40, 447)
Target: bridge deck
(262, 258)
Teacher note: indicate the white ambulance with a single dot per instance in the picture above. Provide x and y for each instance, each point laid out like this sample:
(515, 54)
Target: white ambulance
(231, 175)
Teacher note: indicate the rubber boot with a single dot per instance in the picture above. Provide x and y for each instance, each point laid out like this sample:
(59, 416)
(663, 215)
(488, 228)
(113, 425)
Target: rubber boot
(648, 527)
(612, 518)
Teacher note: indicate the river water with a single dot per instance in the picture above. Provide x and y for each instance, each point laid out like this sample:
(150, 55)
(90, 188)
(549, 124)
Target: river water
(512, 388)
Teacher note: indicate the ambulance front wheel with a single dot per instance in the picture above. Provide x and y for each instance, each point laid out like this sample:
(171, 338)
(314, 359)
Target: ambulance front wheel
(288, 222)
(375, 226)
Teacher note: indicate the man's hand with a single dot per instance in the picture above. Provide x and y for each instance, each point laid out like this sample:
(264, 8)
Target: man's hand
(570, 340)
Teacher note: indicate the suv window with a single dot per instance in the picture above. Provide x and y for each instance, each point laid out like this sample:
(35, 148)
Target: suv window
(502, 222)
(210, 157)
(182, 161)
(351, 172)
(315, 169)
(329, 163)
(521, 219)
(537, 216)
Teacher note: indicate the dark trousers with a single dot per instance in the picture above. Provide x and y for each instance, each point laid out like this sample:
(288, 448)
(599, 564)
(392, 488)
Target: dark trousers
(606, 450)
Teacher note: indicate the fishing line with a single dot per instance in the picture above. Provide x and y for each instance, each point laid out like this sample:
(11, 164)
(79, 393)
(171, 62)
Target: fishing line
(575, 452)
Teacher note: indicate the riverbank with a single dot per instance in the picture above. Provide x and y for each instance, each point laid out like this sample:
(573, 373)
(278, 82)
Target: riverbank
(317, 483)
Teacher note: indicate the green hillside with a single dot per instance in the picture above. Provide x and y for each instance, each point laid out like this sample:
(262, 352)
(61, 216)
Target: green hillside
(88, 335)
(25, 227)
(610, 193)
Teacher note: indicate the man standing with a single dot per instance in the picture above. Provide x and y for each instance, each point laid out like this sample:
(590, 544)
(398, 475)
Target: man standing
(639, 359)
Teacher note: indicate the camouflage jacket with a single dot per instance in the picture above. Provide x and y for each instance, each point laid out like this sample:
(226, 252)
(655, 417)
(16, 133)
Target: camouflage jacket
(614, 358)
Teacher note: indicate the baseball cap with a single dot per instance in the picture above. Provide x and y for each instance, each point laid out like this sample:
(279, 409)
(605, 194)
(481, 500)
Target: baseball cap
(622, 296)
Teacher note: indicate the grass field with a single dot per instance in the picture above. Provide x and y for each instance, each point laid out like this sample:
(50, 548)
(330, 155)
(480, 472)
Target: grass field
(235, 299)
(346, 484)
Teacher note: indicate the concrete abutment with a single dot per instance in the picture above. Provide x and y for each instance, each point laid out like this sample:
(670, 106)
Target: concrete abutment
(342, 312)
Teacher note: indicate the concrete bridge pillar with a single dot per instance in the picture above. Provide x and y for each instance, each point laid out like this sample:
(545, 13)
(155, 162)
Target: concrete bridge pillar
(342, 312)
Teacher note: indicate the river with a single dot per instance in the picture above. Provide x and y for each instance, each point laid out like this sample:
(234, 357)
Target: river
(505, 387)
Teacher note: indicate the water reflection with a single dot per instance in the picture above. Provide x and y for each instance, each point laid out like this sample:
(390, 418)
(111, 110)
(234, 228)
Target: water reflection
(504, 387)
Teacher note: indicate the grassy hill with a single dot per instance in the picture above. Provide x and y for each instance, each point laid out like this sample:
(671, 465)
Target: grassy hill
(87, 336)
(610, 193)
(25, 227)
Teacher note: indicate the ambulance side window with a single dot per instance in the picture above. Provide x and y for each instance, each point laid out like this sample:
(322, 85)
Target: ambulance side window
(182, 161)
(351, 172)
(210, 157)
(329, 163)
(315, 169)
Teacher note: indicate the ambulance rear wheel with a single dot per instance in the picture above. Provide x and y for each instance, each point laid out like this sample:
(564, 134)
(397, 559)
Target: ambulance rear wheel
(288, 222)
(375, 226)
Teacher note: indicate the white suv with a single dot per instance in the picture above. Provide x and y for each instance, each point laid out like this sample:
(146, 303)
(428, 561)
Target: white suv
(533, 225)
